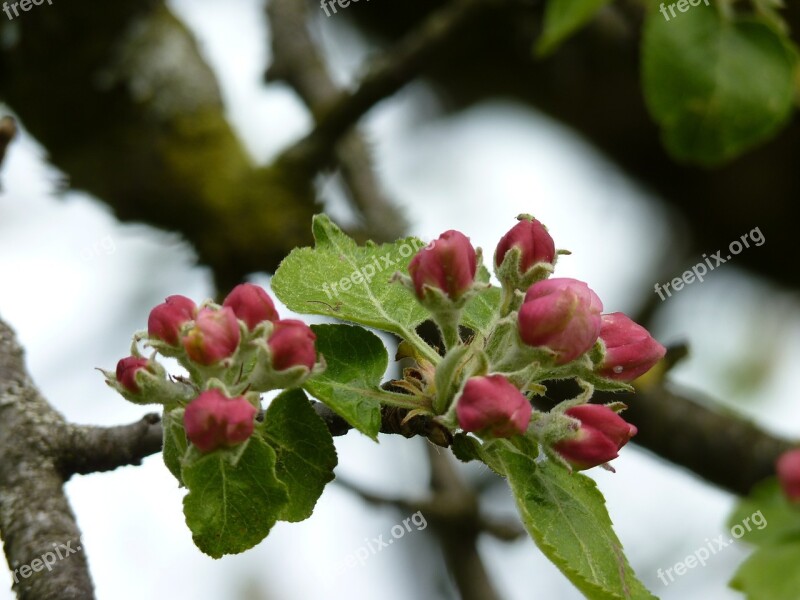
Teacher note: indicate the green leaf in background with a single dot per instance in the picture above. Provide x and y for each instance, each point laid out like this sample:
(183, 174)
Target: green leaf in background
(234, 497)
(562, 18)
(310, 280)
(565, 514)
(175, 443)
(350, 385)
(768, 519)
(766, 515)
(716, 87)
(305, 451)
(771, 573)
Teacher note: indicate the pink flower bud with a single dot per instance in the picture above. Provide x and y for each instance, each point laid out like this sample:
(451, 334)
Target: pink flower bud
(602, 433)
(448, 264)
(531, 237)
(291, 344)
(214, 421)
(215, 336)
(493, 404)
(166, 319)
(630, 349)
(251, 304)
(126, 372)
(561, 314)
(788, 467)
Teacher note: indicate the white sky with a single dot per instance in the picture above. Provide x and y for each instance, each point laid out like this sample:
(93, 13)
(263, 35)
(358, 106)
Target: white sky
(77, 284)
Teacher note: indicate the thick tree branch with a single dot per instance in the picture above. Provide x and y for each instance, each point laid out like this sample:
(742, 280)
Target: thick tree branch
(36, 521)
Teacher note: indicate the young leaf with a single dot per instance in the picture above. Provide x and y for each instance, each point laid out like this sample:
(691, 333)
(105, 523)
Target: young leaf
(716, 87)
(305, 451)
(234, 497)
(766, 515)
(356, 361)
(481, 310)
(565, 515)
(338, 278)
(771, 573)
(562, 18)
(175, 443)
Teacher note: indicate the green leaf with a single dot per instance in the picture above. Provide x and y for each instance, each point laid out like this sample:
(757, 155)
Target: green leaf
(771, 573)
(565, 515)
(234, 497)
(482, 309)
(766, 516)
(338, 278)
(350, 385)
(305, 451)
(562, 18)
(716, 87)
(175, 442)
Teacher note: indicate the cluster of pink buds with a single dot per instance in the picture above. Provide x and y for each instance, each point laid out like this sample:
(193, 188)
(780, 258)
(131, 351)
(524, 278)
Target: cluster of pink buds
(546, 328)
(232, 352)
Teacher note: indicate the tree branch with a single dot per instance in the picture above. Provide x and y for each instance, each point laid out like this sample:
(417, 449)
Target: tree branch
(337, 113)
(87, 449)
(36, 520)
(298, 62)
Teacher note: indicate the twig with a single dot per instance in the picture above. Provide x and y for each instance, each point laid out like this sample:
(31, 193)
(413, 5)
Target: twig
(387, 74)
(88, 449)
(298, 62)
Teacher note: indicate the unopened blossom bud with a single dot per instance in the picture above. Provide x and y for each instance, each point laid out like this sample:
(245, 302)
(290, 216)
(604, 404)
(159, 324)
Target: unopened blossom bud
(531, 237)
(602, 433)
(291, 344)
(630, 349)
(447, 264)
(251, 304)
(561, 314)
(213, 420)
(788, 467)
(493, 405)
(166, 319)
(126, 372)
(215, 336)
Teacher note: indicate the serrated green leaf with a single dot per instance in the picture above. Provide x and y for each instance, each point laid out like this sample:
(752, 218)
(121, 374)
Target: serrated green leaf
(304, 448)
(482, 309)
(716, 87)
(562, 18)
(234, 497)
(175, 443)
(766, 515)
(350, 385)
(771, 573)
(565, 515)
(310, 280)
